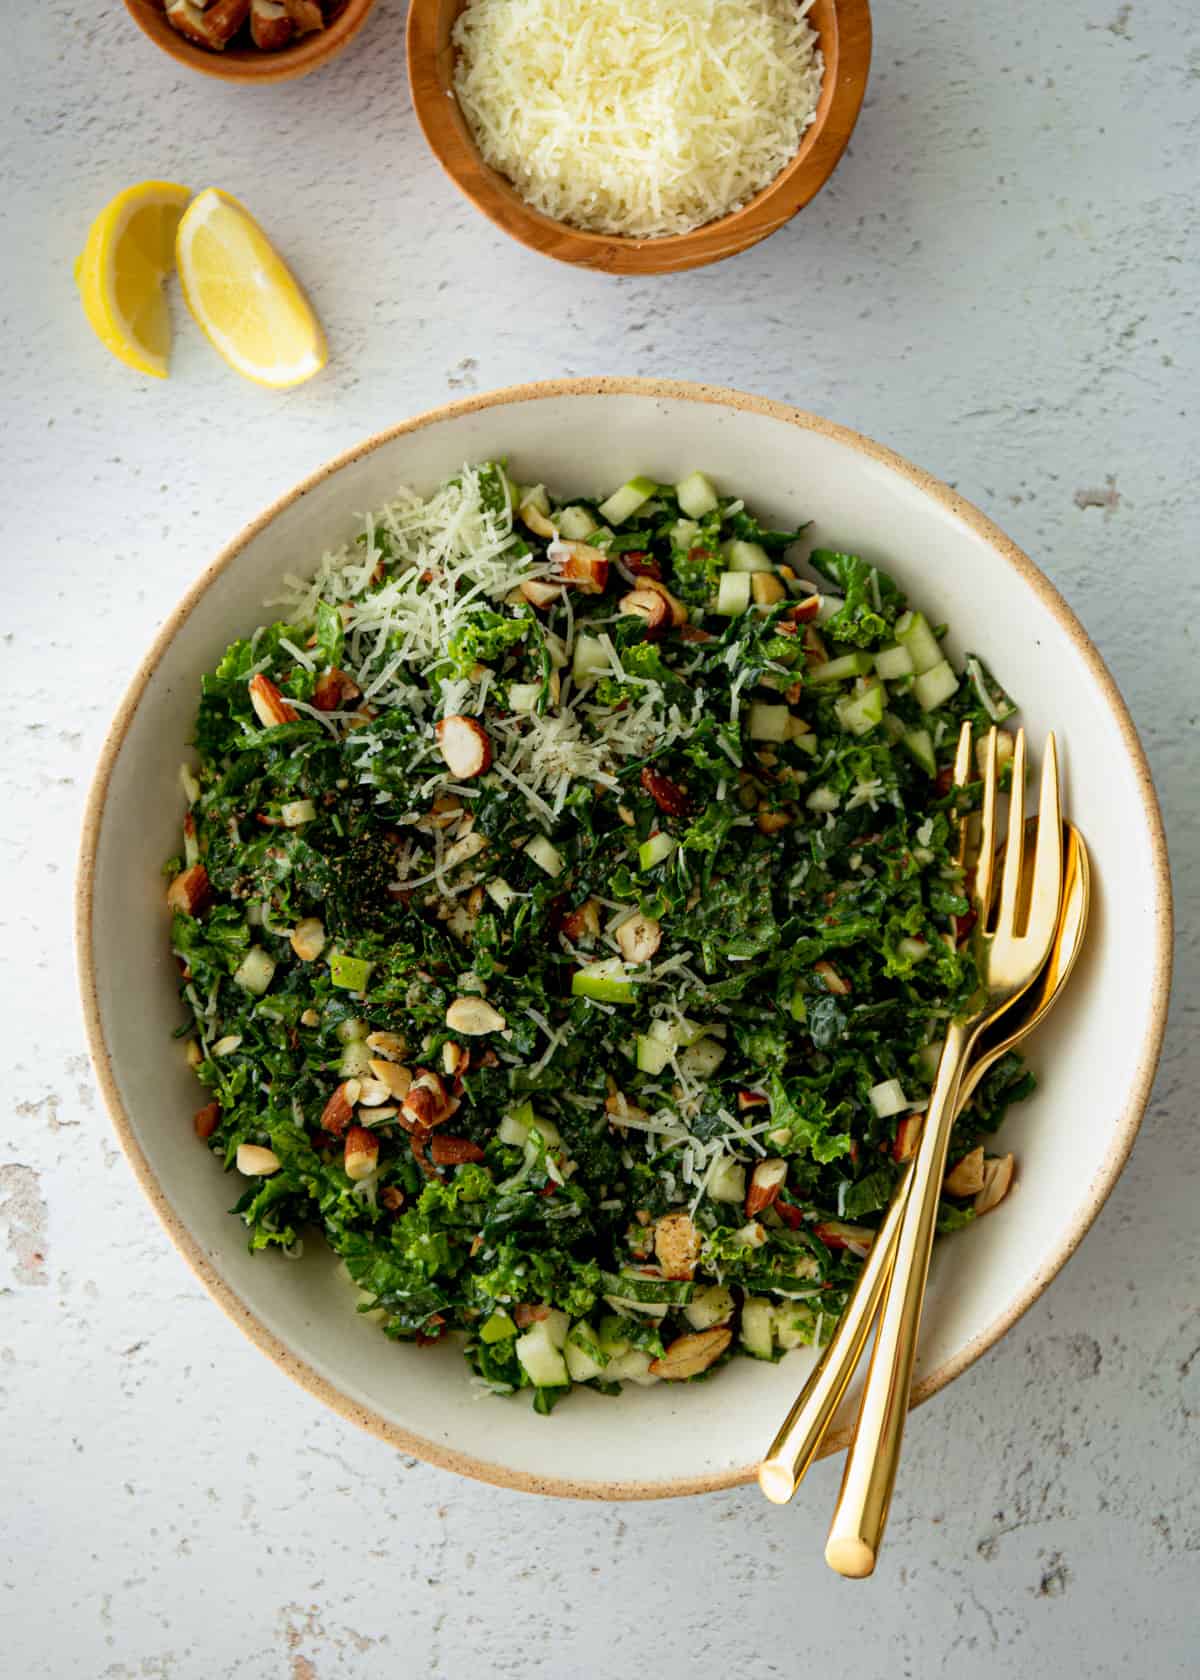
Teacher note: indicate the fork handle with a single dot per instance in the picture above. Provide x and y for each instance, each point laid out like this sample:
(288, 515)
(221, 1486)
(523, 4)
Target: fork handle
(807, 1424)
(871, 1462)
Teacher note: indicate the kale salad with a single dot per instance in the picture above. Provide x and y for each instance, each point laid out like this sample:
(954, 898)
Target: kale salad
(568, 920)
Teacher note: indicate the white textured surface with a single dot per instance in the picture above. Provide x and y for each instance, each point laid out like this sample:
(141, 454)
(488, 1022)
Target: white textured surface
(1001, 283)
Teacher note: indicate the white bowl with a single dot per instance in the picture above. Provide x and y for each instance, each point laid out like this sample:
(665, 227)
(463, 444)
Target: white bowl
(1096, 1056)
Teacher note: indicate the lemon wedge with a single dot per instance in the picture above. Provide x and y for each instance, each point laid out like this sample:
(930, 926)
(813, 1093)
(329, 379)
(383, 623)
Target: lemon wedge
(129, 252)
(245, 299)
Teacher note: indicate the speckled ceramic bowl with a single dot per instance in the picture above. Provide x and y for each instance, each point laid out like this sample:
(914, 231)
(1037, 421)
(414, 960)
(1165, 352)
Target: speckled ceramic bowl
(1096, 1055)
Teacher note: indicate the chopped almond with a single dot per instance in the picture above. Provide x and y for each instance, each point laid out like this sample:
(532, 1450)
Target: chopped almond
(361, 1155)
(908, 1133)
(526, 1313)
(270, 707)
(339, 1110)
(208, 25)
(997, 1181)
(473, 1016)
(453, 1151)
(308, 938)
(856, 1238)
(676, 1245)
(392, 1197)
(639, 937)
(751, 1099)
(804, 611)
(832, 980)
(766, 1181)
(966, 1177)
(688, 1355)
(206, 1120)
(253, 1161)
(540, 594)
(770, 821)
(766, 589)
(582, 566)
(189, 891)
(679, 613)
(465, 746)
(334, 689)
(270, 26)
(389, 1044)
(583, 923)
(395, 1080)
(645, 604)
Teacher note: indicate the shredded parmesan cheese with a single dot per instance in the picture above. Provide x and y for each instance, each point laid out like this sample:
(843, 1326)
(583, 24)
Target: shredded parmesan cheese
(633, 117)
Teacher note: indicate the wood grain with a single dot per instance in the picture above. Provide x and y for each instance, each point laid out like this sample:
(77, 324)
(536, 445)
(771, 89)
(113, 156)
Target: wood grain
(248, 63)
(844, 28)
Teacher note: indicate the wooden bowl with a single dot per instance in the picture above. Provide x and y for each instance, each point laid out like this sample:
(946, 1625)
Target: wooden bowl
(248, 63)
(844, 28)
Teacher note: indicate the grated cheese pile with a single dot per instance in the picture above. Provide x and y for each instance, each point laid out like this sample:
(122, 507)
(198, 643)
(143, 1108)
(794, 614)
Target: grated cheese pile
(637, 117)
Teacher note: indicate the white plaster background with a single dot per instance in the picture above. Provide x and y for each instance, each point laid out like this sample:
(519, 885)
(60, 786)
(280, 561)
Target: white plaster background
(1001, 282)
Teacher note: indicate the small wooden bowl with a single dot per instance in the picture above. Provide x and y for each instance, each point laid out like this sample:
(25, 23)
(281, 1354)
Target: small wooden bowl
(844, 28)
(248, 63)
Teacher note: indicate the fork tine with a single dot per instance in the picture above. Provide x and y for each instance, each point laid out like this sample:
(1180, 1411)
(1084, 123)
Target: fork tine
(985, 863)
(1014, 852)
(1046, 890)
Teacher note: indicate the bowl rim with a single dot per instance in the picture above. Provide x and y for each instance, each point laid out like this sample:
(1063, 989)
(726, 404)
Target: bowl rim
(227, 1298)
(798, 182)
(248, 65)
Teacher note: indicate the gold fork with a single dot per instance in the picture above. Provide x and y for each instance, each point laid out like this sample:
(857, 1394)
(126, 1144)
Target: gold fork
(1010, 954)
(803, 1431)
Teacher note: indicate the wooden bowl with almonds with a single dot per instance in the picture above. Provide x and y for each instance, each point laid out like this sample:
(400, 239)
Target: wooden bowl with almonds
(251, 40)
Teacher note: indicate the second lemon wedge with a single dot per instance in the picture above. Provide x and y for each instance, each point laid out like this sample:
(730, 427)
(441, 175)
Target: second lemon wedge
(129, 252)
(243, 296)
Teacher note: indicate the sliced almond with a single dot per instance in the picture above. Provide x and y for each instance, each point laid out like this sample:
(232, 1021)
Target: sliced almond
(256, 1162)
(308, 938)
(189, 891)
(427, 1103)
(269, 705)
(766, 1181)
(361, 1154)
(473, 1016)
(997, 1181)
(465, 746)
(639, 938)
(397, 1080)
(688, 1355)
(645, 604)
(676, 1244)
(966, 1177)
(389, 1044)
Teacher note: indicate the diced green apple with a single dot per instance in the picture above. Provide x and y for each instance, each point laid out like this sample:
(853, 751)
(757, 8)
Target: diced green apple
(709, 1307)
(541, 1360)
(758, 1327)
(501, 894)
(657, 849)
(497, 1328)
(589, 660)
(702, 1059)
(920, 744)
(545, 855)
(746, 556)
(696, 495)
(575, 524)
(350, 973)
(625, 502)
(858, 714)
(733, 594)
(255, 970)
(894, 662)
(935, 686)
(914, 634)
(653, 1055)
(604, 982)
(844, 666)
(768, 723)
